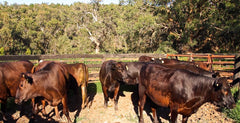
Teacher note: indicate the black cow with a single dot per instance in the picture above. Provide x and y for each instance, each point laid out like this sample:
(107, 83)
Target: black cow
(180, 90)
(133, 72)
(111, 74)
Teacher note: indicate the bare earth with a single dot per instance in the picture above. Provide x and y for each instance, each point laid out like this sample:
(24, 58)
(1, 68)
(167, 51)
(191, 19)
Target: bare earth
(127, 112)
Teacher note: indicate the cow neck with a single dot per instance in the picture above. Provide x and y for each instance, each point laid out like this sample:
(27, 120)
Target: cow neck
(210, 92)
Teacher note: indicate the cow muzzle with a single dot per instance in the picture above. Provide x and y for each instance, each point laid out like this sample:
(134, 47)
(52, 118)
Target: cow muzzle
(18, 101)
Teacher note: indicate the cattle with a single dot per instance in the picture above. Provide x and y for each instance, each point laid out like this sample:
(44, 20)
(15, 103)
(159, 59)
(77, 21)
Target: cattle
(180, 90)
(79, 73)
(194, 69)
(158, 60)
(50, 83)
(167, 61)
(9, 80)
(78, 76)
(133, 72)
(111, 74)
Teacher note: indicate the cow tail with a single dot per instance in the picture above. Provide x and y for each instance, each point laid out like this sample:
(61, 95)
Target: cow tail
(86, 75)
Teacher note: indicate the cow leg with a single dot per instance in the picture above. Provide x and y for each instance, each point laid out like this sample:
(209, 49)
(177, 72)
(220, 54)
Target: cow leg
(115, 97)
(43, 107)
(141, 103)
(35, 107)
(184, 119)
(84, 95)
(3, 110)
(174, 115)
(105, 94)
(65, 108)
(154, 114)
(56, 112)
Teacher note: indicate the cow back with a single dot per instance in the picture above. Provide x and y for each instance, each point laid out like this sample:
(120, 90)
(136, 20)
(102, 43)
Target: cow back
(78, 71)
(53, 76)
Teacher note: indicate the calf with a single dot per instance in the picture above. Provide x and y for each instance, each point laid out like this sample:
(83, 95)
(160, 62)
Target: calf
(9, 80)
(111, 74)
(180, 90)
(50, 83)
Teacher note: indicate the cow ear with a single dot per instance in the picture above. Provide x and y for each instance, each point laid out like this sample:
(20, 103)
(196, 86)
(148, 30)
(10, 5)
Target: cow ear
(126, 67)
(215, 75)
(218, 82)
(28, 78)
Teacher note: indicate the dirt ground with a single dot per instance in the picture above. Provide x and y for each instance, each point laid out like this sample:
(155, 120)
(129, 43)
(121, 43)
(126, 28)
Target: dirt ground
(127, 112)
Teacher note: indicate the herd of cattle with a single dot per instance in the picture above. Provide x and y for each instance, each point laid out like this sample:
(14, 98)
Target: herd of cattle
(179, 85)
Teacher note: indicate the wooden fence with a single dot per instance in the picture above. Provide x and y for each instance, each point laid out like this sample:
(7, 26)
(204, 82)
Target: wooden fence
(94, 61)
(218, 62)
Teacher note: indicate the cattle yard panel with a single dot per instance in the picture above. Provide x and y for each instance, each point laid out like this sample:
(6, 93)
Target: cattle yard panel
(218, 62)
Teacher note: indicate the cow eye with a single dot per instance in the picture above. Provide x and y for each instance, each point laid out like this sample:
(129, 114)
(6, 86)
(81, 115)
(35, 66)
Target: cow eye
(21, 85)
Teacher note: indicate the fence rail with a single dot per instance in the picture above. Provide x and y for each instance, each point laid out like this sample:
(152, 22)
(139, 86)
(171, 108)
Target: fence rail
(94, 61)
(211, 59)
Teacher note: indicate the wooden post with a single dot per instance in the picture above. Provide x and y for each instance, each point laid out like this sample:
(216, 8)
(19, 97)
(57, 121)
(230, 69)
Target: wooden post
(210, 62)
(236, 76)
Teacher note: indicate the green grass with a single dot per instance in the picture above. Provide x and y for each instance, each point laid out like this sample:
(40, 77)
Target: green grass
(95, 87)
(234, 113)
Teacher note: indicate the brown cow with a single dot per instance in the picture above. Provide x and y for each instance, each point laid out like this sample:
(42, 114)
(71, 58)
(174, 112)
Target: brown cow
(78, 76)
(202, 65)
(158, 60)
(79, 73)
(180, 90)
(50, 83)
(9, 80)
(111, 74)
(194, 69)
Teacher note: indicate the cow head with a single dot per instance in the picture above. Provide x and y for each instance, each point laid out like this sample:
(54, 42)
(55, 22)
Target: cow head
(222, 95)
(24, 88)
(119, 71)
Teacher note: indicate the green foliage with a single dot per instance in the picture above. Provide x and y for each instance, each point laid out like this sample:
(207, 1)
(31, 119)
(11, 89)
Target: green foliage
(132, 26)
(28, 52)
(1, 51)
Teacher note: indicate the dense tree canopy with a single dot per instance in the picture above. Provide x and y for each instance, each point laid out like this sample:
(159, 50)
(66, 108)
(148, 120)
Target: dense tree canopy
(160, 26)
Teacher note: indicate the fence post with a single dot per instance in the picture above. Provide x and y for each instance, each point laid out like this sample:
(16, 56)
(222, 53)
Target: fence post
(236, 72)
(210, 62)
